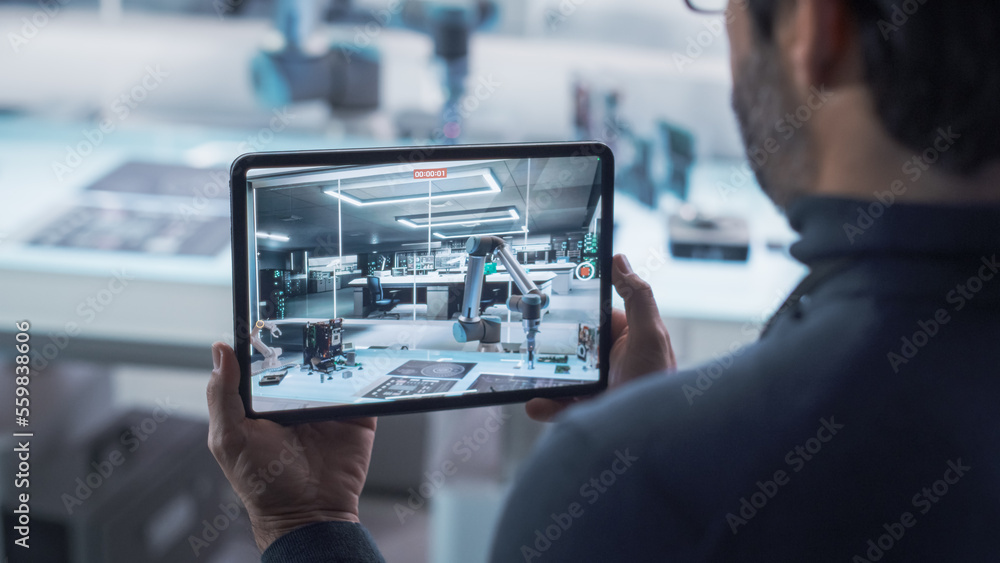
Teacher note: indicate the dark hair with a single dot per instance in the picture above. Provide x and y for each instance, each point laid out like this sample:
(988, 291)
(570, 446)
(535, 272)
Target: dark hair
(931, 65)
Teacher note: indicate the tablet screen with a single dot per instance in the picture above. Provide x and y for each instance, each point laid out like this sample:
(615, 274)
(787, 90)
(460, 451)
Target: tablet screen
(413, 281)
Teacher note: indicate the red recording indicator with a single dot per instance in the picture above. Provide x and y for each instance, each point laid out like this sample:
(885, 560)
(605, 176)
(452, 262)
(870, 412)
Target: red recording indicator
(585, 271)
(430, 173)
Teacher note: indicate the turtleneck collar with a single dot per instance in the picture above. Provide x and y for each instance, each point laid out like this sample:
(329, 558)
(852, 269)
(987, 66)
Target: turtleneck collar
(833, 228)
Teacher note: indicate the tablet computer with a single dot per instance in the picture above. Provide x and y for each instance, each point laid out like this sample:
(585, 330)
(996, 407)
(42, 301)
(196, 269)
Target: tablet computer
(377, 281)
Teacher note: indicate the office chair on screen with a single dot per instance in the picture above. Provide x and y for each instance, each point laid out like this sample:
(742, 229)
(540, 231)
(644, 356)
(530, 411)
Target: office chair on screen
(381, 303)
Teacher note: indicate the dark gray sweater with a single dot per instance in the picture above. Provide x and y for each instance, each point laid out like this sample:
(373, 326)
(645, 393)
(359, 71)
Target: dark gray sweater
(864, 426)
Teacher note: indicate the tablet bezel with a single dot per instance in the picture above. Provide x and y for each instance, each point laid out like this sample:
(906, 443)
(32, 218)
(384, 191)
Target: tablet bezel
(239, 190)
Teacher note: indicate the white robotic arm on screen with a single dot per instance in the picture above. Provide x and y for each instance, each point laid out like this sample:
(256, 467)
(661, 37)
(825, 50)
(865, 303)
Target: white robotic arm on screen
(271, 355)
(472, 327)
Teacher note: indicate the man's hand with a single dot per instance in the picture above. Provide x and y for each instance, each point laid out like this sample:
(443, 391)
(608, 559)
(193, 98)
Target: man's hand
(287, 476)
(640, 344)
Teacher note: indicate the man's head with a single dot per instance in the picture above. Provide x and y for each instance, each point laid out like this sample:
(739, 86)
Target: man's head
(816, 81)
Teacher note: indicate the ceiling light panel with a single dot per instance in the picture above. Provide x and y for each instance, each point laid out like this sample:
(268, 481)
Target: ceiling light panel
(522, 231)
(469, 217)
(396, 188)
(272, 236)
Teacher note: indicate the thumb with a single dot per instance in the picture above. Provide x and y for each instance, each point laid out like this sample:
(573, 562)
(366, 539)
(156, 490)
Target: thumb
(640, 306)
(225, 406)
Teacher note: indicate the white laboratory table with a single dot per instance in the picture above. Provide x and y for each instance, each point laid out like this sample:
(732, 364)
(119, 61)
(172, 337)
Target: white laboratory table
(562, 270)
(442, 289)
(149, 307)
(388, 375)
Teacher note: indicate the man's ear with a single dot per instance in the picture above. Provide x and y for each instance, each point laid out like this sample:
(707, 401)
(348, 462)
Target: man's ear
(818, 40)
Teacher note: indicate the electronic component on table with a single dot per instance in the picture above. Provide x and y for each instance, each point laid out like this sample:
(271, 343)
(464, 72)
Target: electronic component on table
(586, 347)
(322, 365)
(497, 382)
(322, 340)
(273, 378)
(553, 359)
(408, 386)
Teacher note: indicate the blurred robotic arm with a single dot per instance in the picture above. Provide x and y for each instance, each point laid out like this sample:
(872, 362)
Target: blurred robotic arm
(472, 327)
(271, 355)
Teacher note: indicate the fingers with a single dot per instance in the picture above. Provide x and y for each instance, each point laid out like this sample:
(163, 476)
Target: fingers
(618, 324)
(641, 311)
(225, 407)
(544, 410)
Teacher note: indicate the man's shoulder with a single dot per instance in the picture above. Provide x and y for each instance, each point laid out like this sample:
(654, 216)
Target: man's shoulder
(701, 400)
(775, 440)
(705, 432)
(806, 426)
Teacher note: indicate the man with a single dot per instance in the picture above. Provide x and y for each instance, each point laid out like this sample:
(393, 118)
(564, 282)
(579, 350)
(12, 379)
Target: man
(863, 426)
